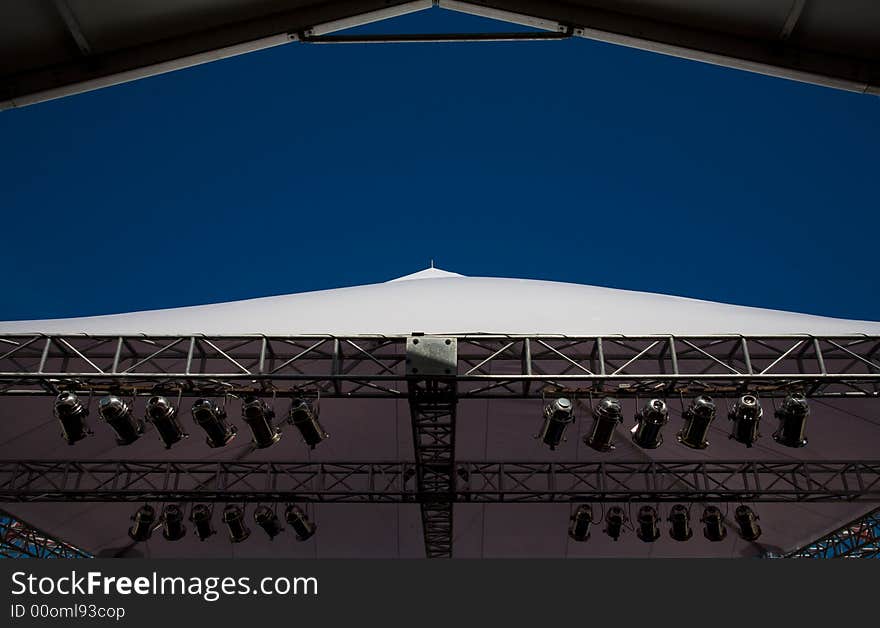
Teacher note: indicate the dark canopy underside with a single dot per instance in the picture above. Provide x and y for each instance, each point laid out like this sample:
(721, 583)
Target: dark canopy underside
(52, 48)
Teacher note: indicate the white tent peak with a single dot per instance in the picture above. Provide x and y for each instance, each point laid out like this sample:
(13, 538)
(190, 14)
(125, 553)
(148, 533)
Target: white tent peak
(428, 273)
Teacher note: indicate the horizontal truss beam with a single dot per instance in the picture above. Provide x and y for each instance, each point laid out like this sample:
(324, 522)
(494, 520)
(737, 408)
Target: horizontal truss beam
(396, 482)
(488, 366)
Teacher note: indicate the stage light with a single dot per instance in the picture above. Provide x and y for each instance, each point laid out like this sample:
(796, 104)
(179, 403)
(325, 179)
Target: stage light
(649, 529)
(606, 415)
(118, 415)
(746, 417)
(300, 523)
(305, 417)
(697, 419)
(649, 421)
(71, 415)
(163, 415)
(212, 419)
(747, 520)
(143, 519)
(792, 421)
(172, 523)
(201, 519)
(680, 519)
(266, 518)
(557, 417)
(713, 524)
(614, 520)
(261, 419)
(581, 521)
(233, 517)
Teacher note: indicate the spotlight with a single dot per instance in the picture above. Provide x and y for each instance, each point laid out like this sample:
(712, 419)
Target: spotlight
(201, 519)
(163, 415)
(580, 523)
(557, 416)
(713, 524)
(71, 414)
(697, 419)
(143, 519)
(300, 523)
(172, 523)
(233, 517)
(648, 530)
(792, 421)
(606, 415)
(746, 416)
(305, 418)
(266, 518)
(118, 416)
(261, 419)
(680, 519)
(747, 521)
(212, 419)
(614, 520)
(649, 421)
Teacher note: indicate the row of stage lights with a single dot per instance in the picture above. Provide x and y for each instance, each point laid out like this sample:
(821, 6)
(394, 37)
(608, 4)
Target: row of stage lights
(648, 523)
(745, 417)
(119, 415)
(647, 526)
(174, 529)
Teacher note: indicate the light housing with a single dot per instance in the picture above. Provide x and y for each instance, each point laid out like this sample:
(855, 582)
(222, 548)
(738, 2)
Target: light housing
(698, 417)
(713, 524)
(172, 523)
(648, 525)
(747, 521)
(118, 415)
(163, 415)
(607, 413)
(649, 422)
(144, 519)
(212, 418)
(266, 518)
(581, 521)
(304, 416)
(260, 417)
(233, 518)
(792, 417)
(201, 520)
(680, 520)
(299, 521)
(614, 520)
(746, 416)
(558, 415)
(71, 415)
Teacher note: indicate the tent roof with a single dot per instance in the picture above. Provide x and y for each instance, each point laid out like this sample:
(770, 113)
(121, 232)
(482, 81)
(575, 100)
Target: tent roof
(54, 48)
(434, 301)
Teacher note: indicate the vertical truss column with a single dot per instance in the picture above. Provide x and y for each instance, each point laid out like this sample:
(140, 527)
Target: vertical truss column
(431, 366)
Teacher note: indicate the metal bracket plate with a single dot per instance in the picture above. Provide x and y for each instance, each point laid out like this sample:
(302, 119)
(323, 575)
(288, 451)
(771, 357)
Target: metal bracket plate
(431, 356)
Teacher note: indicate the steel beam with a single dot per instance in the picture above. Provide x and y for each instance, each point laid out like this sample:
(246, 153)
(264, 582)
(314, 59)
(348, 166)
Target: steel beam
(857, 539)
(398, 482)
(22, 540)
(487, 366)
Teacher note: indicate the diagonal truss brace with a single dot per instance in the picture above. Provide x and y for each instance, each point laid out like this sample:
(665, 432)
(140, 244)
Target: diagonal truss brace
(857, 539)
(21, 540)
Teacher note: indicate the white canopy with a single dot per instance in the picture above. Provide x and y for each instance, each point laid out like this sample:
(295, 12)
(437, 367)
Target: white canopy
(434, 301)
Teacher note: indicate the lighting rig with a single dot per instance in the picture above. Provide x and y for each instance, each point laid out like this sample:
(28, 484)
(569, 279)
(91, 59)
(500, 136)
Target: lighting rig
(71, 415)
(746, 417)
(649, 421)
(212, 418)
(173, 528)
(581, 521)
(261, 419)
(118, 415)
(163, 415)
(698, 419)
(606, 415)
(792, 421)
(304, 416)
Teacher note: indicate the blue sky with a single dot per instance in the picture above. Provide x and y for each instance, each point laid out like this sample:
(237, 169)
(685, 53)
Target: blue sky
(308, 167)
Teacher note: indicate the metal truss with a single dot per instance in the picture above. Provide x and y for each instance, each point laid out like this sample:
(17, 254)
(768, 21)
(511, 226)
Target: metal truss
(397, 482)
(21, 540)
(432, 406)
(487, 365)
(857, 539)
